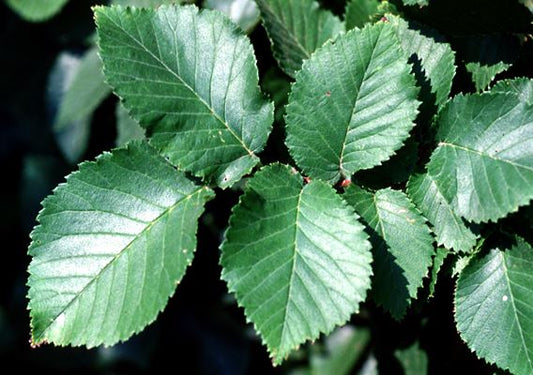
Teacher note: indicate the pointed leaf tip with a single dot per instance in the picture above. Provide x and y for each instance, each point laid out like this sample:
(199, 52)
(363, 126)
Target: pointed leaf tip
(111, 245)
(347, 115)
(296, 257)
(189, 77)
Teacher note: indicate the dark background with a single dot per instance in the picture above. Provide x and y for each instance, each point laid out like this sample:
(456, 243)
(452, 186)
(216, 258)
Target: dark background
(201, 330)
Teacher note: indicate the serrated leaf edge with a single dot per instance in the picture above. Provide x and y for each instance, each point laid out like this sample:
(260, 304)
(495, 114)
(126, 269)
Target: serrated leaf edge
(272, 352)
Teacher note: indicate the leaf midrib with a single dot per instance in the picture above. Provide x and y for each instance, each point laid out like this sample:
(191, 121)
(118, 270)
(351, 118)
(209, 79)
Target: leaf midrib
(179, 78)
(36, 339)
(356, 100)
(486, 155)
(293, 267)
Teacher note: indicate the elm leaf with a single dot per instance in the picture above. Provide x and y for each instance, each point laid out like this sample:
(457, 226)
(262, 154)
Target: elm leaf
(112, 244)
(483, 165)
(494, 306)
(402, 245)
(353, 104)
(296, 257)
(190, 78)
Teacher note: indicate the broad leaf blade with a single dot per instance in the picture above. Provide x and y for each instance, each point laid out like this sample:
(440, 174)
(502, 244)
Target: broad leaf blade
(522, 87)
(190, 77)
(36, 11)
(296, 258)
(484, 163)
(296, 29)
(494, 306)
(432, 59)
(449, 229)
(127, 128)
(112, 244)
(402, 245)
(352, 105)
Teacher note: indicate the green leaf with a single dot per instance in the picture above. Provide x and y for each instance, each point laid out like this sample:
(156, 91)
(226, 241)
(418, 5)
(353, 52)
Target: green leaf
(73, 138)
(402, 244)
(522, 87)
(36, 11)
(85, 92)
(483, 165)
(112, 244)
(438, 261)
(127, 128)
(243, 12)
(414, 360)
(494, 306)
(352, 105)
(488, 55)
(432, 59)
(449, 229)
(360, 12)
(296, 29)
(343, 348)
(296, 257)
(190, 78)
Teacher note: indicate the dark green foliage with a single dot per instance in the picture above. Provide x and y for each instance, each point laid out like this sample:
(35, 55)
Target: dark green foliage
(399, 168)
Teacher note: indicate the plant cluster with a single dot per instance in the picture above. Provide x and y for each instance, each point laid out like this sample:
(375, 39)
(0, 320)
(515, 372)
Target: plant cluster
(381, 175)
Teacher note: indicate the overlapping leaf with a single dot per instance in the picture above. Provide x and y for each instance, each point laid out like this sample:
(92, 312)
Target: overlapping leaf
(522, 87)
(296, 29)
(483, 165)
(352, 105)
(494, 307)
(127, 128)
(190, 77)
(402, 244)
(449, 229)
(296, 257)
(433, 60)
(112, 244)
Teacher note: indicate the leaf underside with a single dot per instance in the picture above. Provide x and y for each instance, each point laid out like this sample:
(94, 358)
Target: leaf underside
(112, 244)
(296, 29)
(402, 245)
(352, 105)
(296, 257)
(190, 78)
(494, 306)
(483, 165)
